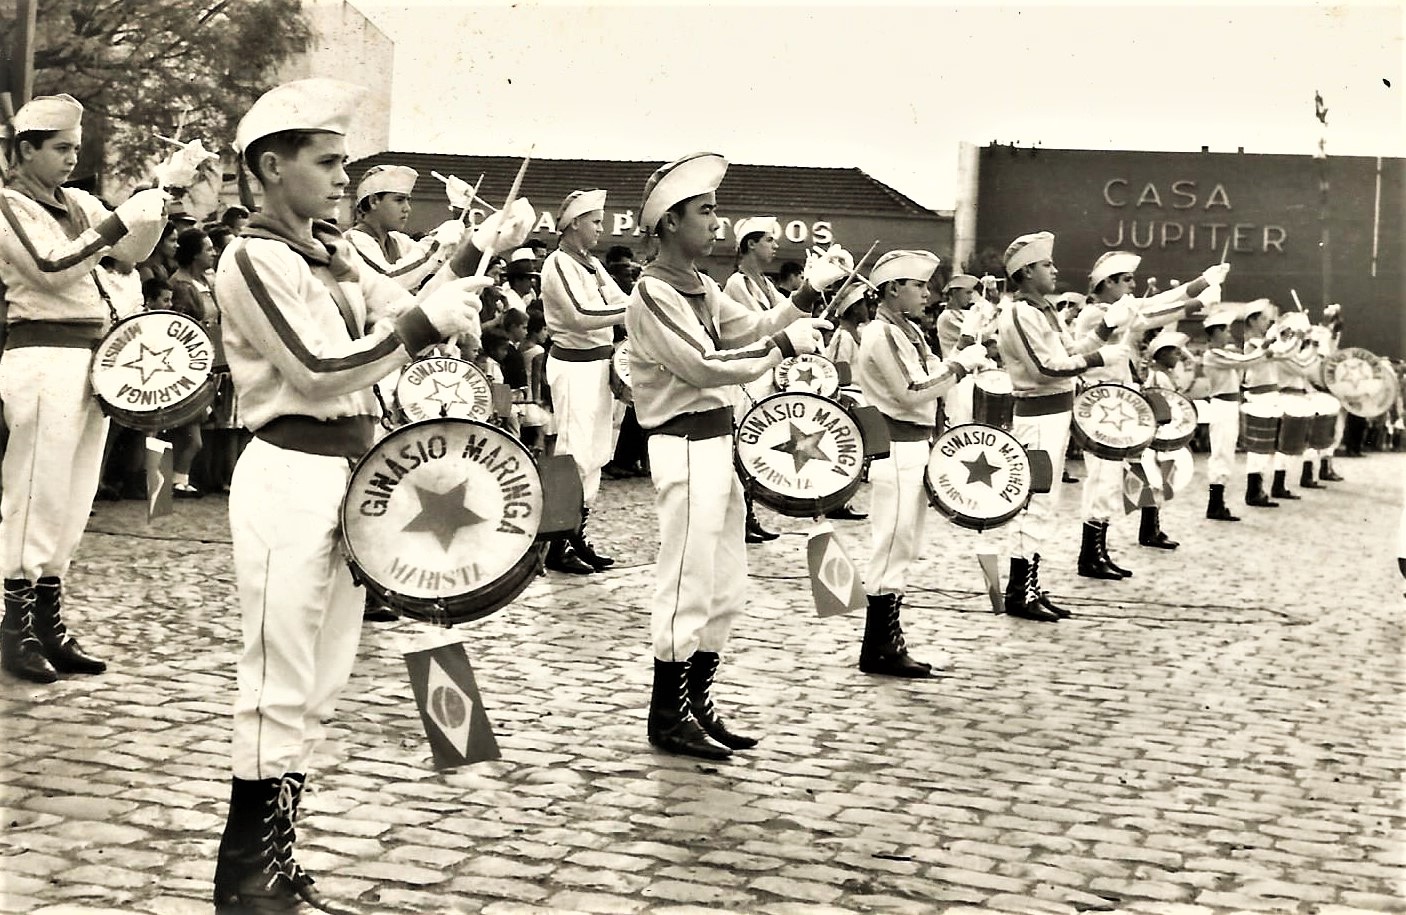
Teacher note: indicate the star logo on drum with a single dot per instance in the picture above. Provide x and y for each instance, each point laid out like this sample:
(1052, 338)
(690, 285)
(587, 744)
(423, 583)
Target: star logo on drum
(804, 376)
(150, 361)
(1353, 377)
(1117, 414)
(803, 447)
(443, 514)
(981, 470)
(446, 395)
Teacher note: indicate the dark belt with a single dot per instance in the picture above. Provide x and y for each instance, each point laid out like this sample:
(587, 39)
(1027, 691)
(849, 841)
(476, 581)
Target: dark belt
(697, 426)
(1233, 397)
(63, 334)
(1262, 389)
(900, 430)
(594, 354)
(344, 437)
(1044, 404)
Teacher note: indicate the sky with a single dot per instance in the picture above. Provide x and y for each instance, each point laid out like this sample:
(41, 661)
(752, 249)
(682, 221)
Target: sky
(890, 89)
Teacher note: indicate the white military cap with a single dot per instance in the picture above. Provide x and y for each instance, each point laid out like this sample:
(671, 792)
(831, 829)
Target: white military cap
(960, 281)
(1072, 298)
(850, 297)
(386, 179)
(699, 173)
(767, 225)
(522, 254)
(579, 203)
(1168, 338)
(1257, 307)
(49, 112)
(904, 265)
(1029, 249)
(1297, 321)
(320, 104)
(1112, 264)
(1223, 317)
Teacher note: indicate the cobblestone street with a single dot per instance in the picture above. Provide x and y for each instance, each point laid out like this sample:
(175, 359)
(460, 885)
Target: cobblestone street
(1222, 732)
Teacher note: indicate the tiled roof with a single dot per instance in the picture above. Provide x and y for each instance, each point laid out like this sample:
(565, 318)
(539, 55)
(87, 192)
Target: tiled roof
(783, 187)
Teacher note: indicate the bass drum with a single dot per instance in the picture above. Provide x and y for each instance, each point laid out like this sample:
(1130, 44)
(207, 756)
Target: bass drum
(809, 373)
(441, 520)
(800, 454)
(1180, 428)
(978, 476)
(1361, 380)
(1113, 421)
(443, 386)
(151, 371)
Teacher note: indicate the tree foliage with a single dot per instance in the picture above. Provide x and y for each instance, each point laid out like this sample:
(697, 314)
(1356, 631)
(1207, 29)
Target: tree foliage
(142, 67)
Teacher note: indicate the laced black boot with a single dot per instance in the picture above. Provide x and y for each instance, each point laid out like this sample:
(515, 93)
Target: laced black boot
(1306, 480)
(1091, 564)
(21, 653)
(1216, 509)
(1022, 599)
(561, 558)
(884, 651)
(254, 872)
(1254, 492)
(702, 667)
(60, 648)
(1150, 531)
(583, 548)
(1281, 489)
(1326, 472)
(672, 727)
(1041, 595)
(1102, 543)
(755, 532)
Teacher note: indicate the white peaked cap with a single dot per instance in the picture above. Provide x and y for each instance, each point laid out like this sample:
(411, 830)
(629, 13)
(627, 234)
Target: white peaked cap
(320, 104)
(904, 265)
(682, 179)
(1223, 317)
(579, 203)
(49, 112)
(386, 179)
(1112, 264)
(1168, 338)
(960, 281)
(767, 225)
(1029, 249)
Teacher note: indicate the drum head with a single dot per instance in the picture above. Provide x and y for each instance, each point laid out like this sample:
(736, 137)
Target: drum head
(978, 476)
(443, 386)
(1181, 427)
(1113, 421)
(808, 373)
(800, 454)
(620, 362)
(152, 371)
(441, 517)
(1361, 380)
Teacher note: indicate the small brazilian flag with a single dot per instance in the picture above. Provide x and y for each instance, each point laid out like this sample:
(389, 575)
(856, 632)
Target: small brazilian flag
(834, 580)
(450, 706)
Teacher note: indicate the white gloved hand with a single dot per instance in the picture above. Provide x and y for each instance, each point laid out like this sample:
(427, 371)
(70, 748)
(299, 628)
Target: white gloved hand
(1120, 312)
(1282, 344)
(504, 231)
(182, 167)
(453, 308)
(1215, 276)
(459, 192)
(822, 272)
(1211, 295)
(839, 255)
(1115, 353)
(804, 335)
(449, 233)
(976, 319)
(971, 357)
(143, 206)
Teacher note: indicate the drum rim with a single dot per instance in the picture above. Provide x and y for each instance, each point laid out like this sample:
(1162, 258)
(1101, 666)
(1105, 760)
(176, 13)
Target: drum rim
(795, 506)
(776, 372)
(399, 409)
(963, 520)
(172, 416)
(1180, 440)
(419, 607)
(1099, 449)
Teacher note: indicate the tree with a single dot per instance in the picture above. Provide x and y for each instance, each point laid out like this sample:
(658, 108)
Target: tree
(142, 67)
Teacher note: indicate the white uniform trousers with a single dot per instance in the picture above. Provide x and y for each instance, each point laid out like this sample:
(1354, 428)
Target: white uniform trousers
(701, 573)
(300, 612)
(1101, 498)
(957, 402)
(897, 512)
(1049, 433)
(582, 404)
(1223, 425)
(53, 459)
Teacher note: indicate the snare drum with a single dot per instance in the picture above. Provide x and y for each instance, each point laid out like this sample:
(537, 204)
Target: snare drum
(1323, 431)
(993, 399)
(978, 476)
(442, 386)
(810, 373)
(800, 454)
(620, 365)
(1293, 429)
(1113, 421)
(1180, 428)
(1259, 425)
(441, 519)
(152, 371)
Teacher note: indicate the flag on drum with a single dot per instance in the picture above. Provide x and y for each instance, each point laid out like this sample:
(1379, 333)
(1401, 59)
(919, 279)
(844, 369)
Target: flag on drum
(1138, 491)
(450, 706)
(160, 467)
(834, 579)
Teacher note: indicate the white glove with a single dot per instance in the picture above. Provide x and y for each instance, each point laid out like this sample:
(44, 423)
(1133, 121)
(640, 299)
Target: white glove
(449, 233)
(504, 231)
(804, 335)
(459, 192)
(822, 272)
(143, 207)
(839, 255)
(182, 167)
(453, 308)
(971, 357)
(1115, 353)
(1215, 276)
(1283, 344)
(1120, 312)
(1211, 295)
(976, 318)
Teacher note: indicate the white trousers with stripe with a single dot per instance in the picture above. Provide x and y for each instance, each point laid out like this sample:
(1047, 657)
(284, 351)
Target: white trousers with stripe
(1101, 498)
(53, 459)
(701, 574)
(1223, 426)
(1049, 433)
(300, 613)
(583, 405)
(897, 512)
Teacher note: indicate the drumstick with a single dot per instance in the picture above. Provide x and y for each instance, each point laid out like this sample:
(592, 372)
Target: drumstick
(1225, 249)
(464, 216)
(1297, 303)
(849, 281)
(487, 255)
(474, 193)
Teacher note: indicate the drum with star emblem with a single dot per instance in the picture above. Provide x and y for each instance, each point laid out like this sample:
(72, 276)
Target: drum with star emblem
(1362, 381)
(800, 454)
(442, 386)
(810, 373)
(1173, 434)
(978, 476)
(441, 519)
(1113, 421)
(152, 371)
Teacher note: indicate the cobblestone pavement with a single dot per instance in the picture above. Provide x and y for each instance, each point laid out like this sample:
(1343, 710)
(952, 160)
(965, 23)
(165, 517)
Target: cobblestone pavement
(1222, 732)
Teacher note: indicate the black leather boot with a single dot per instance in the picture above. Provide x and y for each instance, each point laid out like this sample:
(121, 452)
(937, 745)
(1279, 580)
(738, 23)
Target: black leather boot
(1021, 599)
(60, 648)
(583, 548)
(376, 611)
(702, 667)
(1150, 530)
(21, 653)
(1043, 596)
(1216, 509)
(845, 513)
(1326, 471)
(1254, 492)
(884, 650)
(1103, 551)
(755, 532)
(672, 727)
(1091, 564)
(255, 871)
(560, 558)
(1281, 489)
(1306, 480)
